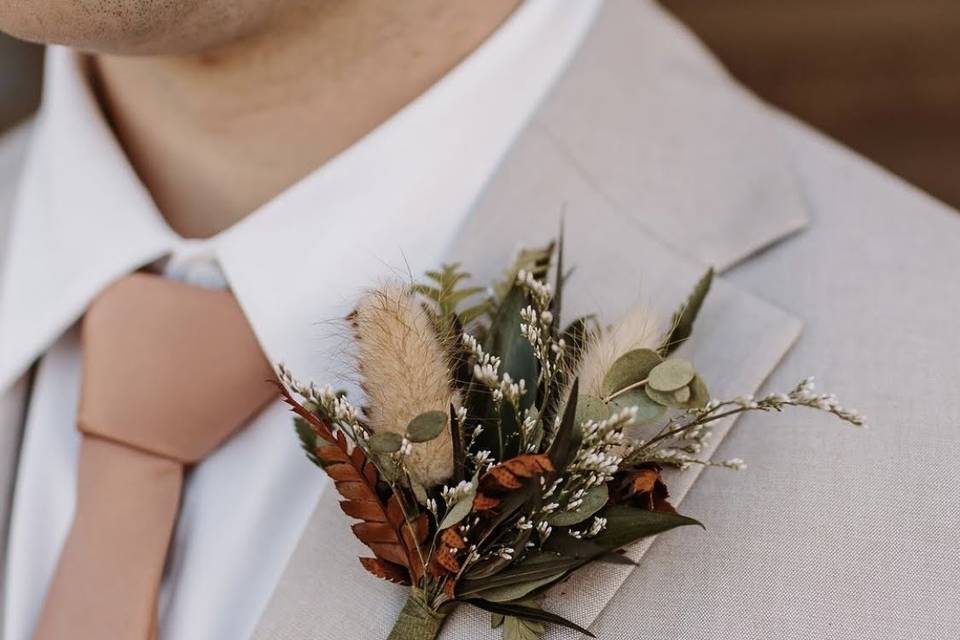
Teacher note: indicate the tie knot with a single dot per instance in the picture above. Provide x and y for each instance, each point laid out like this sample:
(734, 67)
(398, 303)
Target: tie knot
(169, 368)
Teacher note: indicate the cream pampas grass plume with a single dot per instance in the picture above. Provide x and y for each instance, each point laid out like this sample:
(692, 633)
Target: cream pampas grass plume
(404, 370)
(640, 329)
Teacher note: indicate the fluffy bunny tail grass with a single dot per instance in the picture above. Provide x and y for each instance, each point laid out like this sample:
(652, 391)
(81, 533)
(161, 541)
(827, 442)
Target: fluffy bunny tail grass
(404, 371)
(639, 329)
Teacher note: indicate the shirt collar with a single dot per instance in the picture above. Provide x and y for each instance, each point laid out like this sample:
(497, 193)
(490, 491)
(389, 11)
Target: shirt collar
(391, 203)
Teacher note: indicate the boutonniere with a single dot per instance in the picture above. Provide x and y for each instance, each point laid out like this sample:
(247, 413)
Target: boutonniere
(498, 450)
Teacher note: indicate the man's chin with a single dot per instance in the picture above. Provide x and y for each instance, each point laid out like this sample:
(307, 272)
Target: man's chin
(128, 27)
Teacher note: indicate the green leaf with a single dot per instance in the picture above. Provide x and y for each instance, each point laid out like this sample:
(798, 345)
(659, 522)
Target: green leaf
(556, 303)
(627, 524)
(427, 426)
(460, 509)
(527, 613)
(593, 501)
(419, 491)
(459, 453)
(575, 336)
(683, 319)
(591, 408)
(446, 294)
(647, 409)
(470, 314)
(629, 369)
(536, 261)
(671, 375)
(567, 440)
(521, 629)
(385, 442)
(535, 567)
(699, 394)
(517, 359)
(682, 395)
(495, 564)
(517, 590)
(668, 399)
(568, 546)
(308, 439)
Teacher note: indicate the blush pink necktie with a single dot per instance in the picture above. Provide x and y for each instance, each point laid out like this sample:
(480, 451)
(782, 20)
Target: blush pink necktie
(170, 371)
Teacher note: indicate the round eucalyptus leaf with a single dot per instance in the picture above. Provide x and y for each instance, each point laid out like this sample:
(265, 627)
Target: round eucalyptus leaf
(630, 368)
(699, 394)
(385, 442)
(671, 375)
(427, 426)
(682, 396)
(593, 501)
(663, 398)
(590, 408)
(647, 409)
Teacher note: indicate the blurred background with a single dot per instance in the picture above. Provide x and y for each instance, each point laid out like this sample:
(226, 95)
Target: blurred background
(882, 76)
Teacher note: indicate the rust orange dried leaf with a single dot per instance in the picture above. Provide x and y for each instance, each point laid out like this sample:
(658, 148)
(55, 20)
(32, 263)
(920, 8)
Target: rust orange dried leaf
(452, 538)
(385, 570)
(446, 559)
(528, 465)
(642, 481)
(502, 478)
(484, 502)
(450, 588)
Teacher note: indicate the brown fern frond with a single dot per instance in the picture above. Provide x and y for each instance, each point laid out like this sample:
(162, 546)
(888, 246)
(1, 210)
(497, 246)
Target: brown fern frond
(381, 526)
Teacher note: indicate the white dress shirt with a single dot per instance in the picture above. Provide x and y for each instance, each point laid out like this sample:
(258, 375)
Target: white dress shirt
(390, 204)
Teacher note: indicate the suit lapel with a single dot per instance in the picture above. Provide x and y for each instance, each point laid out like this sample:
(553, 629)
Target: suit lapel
(13, 402)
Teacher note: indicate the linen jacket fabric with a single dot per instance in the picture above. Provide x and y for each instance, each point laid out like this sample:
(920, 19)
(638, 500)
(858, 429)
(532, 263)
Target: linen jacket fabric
(829, 266)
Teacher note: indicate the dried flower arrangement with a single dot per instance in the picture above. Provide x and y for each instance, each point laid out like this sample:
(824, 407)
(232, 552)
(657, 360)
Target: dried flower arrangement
(490, 460)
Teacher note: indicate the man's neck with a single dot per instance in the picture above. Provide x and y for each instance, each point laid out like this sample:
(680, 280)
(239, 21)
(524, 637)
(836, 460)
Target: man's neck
(217, 134)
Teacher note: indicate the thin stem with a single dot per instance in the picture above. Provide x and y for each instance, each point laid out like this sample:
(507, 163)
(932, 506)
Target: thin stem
(635, 385)
(695, 423)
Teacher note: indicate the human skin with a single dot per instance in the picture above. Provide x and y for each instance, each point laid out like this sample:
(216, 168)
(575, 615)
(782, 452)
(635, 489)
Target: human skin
(222, 104)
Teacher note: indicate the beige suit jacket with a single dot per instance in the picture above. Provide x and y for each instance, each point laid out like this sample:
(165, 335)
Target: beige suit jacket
(829, 266)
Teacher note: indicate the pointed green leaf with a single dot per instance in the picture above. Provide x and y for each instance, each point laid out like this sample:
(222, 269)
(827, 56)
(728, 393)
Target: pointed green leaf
(627, 524)
(459, 452)
(521, 629)
(308, 439)
(517, 590)
(684, 318)
(584, 549)
(535, 567)
(460, 509)
(527, 613)
(517, 359)
(593, 501)
(568, 436)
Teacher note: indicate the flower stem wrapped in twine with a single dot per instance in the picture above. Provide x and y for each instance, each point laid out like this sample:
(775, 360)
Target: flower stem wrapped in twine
(417, 621)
